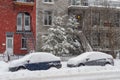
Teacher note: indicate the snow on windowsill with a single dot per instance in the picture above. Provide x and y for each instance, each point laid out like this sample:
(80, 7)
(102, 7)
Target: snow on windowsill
(23, 48)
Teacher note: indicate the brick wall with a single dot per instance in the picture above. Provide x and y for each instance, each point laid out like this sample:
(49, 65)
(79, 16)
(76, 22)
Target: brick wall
(8, 21)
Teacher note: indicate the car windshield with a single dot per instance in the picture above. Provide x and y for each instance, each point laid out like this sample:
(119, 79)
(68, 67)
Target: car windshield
(84, 55)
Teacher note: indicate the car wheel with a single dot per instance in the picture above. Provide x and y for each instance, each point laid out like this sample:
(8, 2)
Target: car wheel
(21, 68)
(53, 67)
(107, 64)
(81, 64)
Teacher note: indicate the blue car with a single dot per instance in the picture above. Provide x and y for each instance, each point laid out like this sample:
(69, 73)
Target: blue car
(36, 61)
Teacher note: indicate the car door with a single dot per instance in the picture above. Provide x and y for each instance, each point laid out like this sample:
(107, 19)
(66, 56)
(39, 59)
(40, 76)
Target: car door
(91, 60)
(44, 62)
(100, 62)
(33, 63)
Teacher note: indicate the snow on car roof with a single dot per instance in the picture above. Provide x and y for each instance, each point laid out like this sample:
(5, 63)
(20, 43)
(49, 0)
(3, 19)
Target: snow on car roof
(95, 52)
(44, 55)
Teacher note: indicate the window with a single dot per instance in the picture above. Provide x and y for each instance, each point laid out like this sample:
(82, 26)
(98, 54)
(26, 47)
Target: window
(27, 21)
(25, 0)
(47, 18)
(96, 39)
(48, 0)
(96, 18)
(23, 22)
(84, 2)
(19, 22)
(117, 19)
(75, 2)
(23, 43)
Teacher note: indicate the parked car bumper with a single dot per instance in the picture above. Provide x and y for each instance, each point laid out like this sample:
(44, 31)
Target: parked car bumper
(59, 66)
(12, 69)
(71, 65)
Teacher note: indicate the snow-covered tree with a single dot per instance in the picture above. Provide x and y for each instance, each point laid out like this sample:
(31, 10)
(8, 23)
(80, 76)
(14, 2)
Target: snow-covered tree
(61, 38)
(72, 34)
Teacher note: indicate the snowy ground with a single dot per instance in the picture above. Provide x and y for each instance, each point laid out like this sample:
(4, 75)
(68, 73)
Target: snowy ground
(80, 73)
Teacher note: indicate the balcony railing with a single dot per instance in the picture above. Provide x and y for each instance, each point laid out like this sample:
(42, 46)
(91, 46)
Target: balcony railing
(24, 2)
(95, 3)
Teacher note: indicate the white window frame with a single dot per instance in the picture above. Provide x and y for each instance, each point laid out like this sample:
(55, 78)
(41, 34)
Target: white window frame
(23, 17)
(27, 28)
(19, 27)
(47, 18)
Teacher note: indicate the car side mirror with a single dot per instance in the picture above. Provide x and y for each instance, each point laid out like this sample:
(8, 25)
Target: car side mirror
(28, 61)
(87, 59)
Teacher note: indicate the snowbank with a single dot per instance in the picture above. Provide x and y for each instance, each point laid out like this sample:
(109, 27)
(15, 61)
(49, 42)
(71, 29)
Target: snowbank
(3, 66)
(25, 74)
(79, 73)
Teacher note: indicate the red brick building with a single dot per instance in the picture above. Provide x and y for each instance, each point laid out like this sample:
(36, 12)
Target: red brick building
(17, 26)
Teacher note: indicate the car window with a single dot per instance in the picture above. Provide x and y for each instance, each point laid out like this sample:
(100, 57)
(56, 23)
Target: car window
(101, 60)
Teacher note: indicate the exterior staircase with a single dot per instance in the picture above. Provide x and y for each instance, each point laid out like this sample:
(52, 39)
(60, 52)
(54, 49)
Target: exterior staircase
(84, 42)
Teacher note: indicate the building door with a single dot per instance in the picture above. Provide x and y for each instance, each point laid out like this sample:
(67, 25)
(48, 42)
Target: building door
(9, 45)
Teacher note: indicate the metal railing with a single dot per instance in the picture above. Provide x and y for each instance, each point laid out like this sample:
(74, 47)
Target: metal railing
(23, 0)
(96, 3)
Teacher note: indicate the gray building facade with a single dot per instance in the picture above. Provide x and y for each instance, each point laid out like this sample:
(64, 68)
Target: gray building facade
(46, 10)
(99, 20)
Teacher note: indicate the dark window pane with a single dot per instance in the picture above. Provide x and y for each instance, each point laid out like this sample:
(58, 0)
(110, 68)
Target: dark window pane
(27, 21)
(24, 43)
(19, 21)
(48, 18)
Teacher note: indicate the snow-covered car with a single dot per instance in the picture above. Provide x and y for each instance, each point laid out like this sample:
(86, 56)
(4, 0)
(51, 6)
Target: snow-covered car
(36, 61)
(91, 58)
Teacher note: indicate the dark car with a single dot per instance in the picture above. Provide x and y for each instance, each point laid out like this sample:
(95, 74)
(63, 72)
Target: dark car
(36, 61)
(91, 59)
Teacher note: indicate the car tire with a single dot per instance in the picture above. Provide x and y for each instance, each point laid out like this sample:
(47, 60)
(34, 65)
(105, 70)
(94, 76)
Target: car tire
(52, 67)
(107, 64)
(81, 64)
(21, 68)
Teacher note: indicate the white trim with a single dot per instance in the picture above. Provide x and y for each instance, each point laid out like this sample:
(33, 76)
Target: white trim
(19, 27)
(27, 28)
